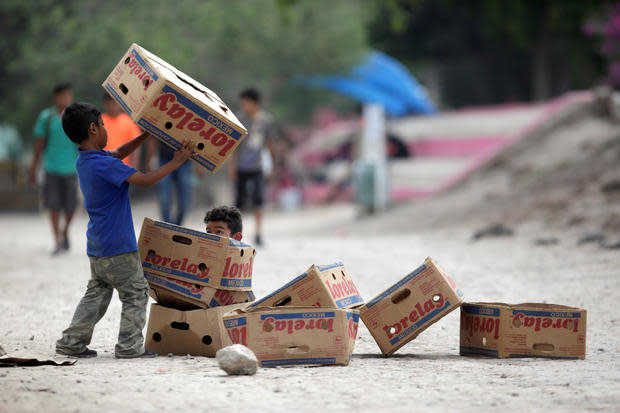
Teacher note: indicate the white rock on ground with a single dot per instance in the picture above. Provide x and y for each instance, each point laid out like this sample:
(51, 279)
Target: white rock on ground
(237, 360)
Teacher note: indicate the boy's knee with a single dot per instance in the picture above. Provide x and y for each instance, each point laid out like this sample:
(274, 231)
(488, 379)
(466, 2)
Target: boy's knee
(135, 292)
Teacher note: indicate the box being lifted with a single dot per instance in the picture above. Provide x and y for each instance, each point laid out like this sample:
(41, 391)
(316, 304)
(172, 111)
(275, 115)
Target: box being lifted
(172, 107)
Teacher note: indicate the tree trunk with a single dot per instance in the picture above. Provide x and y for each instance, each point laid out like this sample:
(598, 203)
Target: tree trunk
(541, 65)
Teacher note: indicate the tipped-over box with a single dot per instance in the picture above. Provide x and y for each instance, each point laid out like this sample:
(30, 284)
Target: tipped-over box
(325, 286)
(403, 311)
(196, 332)
(195, 257)
(523, 330)
(172, 107)
(287, 336)
(186, 296)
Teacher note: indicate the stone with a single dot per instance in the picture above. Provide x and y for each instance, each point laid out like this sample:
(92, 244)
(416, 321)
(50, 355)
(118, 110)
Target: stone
(2, 352)
(590, 237)
(495, 230)
(543, 242)
(611, 244)
(237, 360)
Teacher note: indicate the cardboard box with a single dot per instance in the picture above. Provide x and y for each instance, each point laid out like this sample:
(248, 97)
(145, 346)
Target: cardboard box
(186, 296)
(523, 330)
(196, 257)
(326, 286)
(295, 335)
(196, 332)
(172, 107)
(406, 309)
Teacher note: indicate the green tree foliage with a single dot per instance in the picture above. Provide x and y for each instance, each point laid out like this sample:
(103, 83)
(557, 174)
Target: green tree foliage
(225, 44)
(492, 50)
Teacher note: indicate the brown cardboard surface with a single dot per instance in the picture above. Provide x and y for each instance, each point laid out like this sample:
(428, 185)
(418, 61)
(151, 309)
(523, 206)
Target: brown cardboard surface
(523, 330)
(196, 332)
(324, 286)
(172, 107)
(403, 311)
(195, 257)
(182, 295)
(287, 336)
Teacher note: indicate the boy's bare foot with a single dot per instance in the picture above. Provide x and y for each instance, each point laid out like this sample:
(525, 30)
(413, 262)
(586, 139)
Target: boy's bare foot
(88, 353)
(146, 354)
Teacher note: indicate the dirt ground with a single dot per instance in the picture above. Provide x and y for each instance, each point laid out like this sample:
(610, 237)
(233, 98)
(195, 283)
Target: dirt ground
(38, 294)
(560, 185)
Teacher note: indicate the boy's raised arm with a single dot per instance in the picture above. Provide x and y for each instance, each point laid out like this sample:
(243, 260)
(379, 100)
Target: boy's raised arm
(125, 150)
(151, 178)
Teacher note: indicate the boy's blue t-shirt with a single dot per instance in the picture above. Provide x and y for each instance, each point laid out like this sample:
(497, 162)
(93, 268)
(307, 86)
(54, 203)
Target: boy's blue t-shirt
(106, 199)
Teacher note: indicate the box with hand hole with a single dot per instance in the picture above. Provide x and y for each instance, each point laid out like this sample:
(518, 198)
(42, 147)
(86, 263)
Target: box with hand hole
(288, 336)
(195, 332)
(195, 256)
(523, 330)
(172, 107)
(406, 309)
(183, 295)
(325, 286)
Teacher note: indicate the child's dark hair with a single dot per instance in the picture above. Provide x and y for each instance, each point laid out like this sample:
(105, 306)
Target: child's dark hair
(76, 119)
(61, 87)
(250, 94)
(228, 214)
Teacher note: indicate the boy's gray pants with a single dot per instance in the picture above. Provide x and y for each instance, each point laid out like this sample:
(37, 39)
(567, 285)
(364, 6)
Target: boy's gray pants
(121, 272)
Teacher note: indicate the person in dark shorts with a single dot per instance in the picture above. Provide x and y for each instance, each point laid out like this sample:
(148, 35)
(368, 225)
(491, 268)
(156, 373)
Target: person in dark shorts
(253, 160)
(59, 156)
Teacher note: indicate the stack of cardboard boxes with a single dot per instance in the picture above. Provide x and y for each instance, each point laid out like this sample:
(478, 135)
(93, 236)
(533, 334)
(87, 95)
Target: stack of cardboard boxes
(195, 278)
(203, 283)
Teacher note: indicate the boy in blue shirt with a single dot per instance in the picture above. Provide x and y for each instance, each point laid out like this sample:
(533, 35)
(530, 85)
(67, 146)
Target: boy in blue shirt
(111, 248)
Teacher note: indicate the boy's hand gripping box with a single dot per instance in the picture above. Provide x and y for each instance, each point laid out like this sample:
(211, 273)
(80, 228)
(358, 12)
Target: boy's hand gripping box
(403, 311)
(172, 107)
(183, 295)
(295, 335)
(194, 256)
(325, 286)
(196, 332)
(523, 330)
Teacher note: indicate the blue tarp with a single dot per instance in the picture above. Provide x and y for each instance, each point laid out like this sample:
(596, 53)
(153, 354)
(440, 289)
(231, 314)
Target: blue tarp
(380, 79)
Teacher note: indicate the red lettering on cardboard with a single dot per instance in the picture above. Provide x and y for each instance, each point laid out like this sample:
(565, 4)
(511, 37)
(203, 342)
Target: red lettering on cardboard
(137, 70)
(419, 310)
(192, 122)
(290, 326)
(540, 323)
(474, 323)
(174, 264)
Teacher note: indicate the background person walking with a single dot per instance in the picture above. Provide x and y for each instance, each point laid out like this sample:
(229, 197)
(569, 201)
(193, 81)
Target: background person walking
(253, 159)
(59, 156)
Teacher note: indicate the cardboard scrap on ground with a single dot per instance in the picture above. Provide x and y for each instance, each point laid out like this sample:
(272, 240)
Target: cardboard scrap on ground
(196, 332)
(195, 257)
(523, 330)
(172, 107)
(406, 309)
(324, 286)
(187, 296)
(286, 336)
(32, 362)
